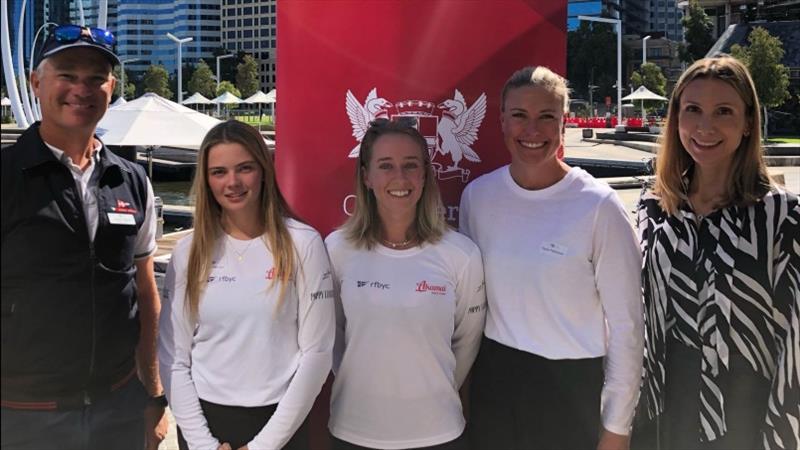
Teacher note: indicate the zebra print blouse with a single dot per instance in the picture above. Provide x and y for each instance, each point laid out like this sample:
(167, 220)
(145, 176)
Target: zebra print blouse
(726, 282)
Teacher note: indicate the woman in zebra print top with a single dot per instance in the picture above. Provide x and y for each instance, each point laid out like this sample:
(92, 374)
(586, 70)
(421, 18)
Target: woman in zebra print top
(721, 274)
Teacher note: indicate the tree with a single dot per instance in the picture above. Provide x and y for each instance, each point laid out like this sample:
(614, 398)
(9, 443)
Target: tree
(697, 28)
(130, 88)
(202, 80)
(247, 76)
(763, 58)
(227, 86)
(649, 75)
(592, 59)
(156, 80)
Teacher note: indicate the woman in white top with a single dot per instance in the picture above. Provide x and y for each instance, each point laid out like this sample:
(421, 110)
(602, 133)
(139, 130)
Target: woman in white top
(412, 303)
(561, 363)
(248, 326)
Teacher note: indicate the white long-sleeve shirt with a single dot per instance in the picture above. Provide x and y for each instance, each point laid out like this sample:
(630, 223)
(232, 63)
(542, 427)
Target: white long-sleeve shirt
(245, 351)
(409, 324)
(562, 277)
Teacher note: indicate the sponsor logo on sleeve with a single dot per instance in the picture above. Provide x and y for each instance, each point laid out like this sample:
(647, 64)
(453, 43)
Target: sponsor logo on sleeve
(318, 295)
(477, 308)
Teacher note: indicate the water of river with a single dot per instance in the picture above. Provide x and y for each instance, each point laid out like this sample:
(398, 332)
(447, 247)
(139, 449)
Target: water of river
(173, 192)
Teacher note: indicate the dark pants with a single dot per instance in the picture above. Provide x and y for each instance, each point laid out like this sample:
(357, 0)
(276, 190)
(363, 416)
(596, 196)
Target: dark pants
(115, 421)
(747, 395)
(523, 401)
(238, 425)
(459, 443)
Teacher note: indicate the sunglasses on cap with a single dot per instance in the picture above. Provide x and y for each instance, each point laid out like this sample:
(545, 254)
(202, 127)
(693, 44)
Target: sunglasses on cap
(66, 34)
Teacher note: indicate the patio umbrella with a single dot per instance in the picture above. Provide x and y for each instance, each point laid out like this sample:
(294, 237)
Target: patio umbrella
(643, 94)
(226, 98)
(258, 97)
(154, 121)
(5, 102)
(197, 99)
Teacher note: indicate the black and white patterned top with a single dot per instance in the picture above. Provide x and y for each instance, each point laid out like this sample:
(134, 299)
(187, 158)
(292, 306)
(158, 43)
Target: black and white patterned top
(727, 282)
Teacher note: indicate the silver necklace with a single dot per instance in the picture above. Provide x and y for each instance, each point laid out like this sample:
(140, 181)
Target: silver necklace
(240, 254)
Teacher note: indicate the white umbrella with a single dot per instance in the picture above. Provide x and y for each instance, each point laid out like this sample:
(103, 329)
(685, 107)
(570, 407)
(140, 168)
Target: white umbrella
(5, 101)
(151, 120)
(197, 99)
(227, 98)
(117, 102)
(259, 97)
(643, 94)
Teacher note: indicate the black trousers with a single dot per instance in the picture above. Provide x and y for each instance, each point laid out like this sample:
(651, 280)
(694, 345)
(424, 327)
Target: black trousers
(523, 401)
(238, 425)
(459, 443)
(678, 428)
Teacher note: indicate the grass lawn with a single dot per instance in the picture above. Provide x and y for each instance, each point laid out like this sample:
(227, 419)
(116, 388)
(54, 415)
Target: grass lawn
(784, 140)
(265, 122)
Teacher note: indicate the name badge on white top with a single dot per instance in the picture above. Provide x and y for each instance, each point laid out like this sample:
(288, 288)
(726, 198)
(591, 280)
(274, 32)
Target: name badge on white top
(554, 249)
(121, 219)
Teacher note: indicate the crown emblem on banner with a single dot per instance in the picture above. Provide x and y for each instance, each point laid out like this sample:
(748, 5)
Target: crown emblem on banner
(450, 127)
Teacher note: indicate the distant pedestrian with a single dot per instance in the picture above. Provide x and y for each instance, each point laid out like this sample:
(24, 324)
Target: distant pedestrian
(80, 304)
(248, 324)
(721, 274)
(560, 363)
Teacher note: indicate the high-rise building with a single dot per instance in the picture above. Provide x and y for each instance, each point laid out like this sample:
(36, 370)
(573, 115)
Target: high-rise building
(91, 13)
(250, 27)
(635, 16)
(665, 18)
(142, 27)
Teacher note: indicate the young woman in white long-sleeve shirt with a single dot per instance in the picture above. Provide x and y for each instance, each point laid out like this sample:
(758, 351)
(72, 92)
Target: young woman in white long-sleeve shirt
(248, 326)
(412, 304)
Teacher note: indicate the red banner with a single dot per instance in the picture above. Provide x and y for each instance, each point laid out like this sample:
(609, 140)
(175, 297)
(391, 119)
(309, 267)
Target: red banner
(344, 63)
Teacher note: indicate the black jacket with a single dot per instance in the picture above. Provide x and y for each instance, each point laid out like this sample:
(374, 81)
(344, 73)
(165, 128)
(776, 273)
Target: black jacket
(69, 323)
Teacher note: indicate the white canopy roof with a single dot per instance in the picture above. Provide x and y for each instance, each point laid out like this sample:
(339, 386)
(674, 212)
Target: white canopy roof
(197, 99)
(643, 94)
(151, 120)
(227, 98)
(261, 97)
(5, 102)
(117, 102)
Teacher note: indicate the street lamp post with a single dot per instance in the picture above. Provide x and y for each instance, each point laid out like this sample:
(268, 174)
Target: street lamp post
(592, 88)
(122, 73)
(180, 43)
(644, 49)
(618, 24)
(229, 55)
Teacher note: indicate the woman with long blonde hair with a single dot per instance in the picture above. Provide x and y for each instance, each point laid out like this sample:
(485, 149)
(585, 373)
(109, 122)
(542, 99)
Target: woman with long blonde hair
(247, 330)
(411, 307)
(721, 274)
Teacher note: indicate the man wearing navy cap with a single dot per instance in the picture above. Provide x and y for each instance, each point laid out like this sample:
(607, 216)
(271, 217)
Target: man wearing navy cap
(79, 300)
